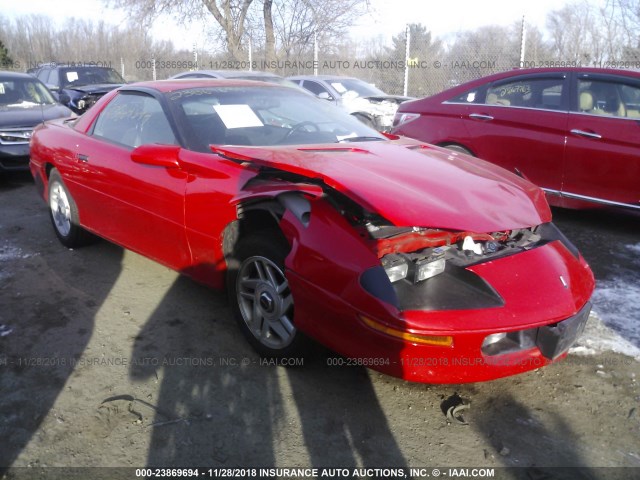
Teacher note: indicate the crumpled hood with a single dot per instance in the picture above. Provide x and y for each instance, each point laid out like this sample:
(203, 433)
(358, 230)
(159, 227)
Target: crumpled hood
(102, 88)
(412, 184)
(390, 98)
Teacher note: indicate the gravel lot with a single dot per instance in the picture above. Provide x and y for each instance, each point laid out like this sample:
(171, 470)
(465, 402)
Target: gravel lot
(109, 359)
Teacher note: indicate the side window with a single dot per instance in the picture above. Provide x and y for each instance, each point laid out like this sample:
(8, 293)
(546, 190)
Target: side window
(132, 120)
(598, 97)
(542, 93)
(53, 78)
(43, 75)
(467, 97)
(315, 88)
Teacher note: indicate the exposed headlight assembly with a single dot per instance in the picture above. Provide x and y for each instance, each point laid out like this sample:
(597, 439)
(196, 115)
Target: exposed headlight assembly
(415, 267)
(428, 268)
(396, 266)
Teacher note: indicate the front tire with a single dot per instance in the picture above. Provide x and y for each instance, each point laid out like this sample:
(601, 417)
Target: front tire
(260, 295)
(64, 213)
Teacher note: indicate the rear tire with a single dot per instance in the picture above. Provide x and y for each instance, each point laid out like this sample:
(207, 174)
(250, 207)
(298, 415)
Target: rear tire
(260, 296)
(64, 213)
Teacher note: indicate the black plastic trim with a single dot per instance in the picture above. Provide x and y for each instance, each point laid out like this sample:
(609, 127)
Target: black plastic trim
(455, 289)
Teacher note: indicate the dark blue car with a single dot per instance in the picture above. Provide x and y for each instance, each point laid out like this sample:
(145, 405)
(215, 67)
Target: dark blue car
(24, 103)
(78, 87)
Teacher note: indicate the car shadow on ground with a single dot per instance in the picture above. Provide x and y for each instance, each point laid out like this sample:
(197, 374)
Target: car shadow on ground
(45, 339)
(522, 438)
(13, 180)
(224, 406)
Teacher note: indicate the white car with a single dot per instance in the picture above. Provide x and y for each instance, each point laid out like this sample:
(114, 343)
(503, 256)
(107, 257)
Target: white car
(361, 99)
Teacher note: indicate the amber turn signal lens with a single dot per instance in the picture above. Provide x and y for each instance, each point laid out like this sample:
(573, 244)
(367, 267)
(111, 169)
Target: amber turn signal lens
(440, 341)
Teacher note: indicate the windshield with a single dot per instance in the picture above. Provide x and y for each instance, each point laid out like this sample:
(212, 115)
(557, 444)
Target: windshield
(77, 77)
(262, 116)
(23, 92)
(362, 89)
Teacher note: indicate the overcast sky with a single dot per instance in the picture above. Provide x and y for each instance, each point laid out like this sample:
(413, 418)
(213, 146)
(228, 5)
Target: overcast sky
(387, 17)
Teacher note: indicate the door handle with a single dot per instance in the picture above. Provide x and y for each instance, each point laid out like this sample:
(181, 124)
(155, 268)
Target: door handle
(582, 133)
(82, 158)
(480, 116)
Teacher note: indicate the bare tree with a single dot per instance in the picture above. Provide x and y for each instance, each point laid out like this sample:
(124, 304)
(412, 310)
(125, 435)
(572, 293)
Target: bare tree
(269, 35)
(32, 41)
(583, 33)
(230, 15)
(279, 27)
(625, 16)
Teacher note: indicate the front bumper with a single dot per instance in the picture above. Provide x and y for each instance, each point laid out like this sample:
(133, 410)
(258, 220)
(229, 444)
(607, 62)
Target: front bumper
(14, 157)
(553, 315)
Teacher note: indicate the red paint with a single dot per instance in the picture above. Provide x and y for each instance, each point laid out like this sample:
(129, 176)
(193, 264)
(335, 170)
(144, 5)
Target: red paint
(541, 142)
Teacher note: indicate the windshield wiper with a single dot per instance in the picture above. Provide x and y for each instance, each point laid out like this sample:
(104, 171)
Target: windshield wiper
(359, 139)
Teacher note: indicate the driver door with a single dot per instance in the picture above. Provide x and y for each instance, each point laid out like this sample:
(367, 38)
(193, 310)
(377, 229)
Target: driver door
(140, 207)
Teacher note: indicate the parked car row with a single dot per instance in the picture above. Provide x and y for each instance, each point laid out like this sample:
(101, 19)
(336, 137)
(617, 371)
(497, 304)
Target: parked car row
(413, 259)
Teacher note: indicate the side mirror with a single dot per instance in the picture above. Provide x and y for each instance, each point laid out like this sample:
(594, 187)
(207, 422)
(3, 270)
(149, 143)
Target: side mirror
(156, 155)
(324, 96)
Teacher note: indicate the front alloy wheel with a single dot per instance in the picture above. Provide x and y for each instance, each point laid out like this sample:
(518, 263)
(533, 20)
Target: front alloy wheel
(260, 295)
(60, 209)
(265, 302)
(64, 213)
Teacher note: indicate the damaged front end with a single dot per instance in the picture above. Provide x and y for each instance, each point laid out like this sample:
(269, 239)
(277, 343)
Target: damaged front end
(410, 256)
(486, 302)
(381, 109)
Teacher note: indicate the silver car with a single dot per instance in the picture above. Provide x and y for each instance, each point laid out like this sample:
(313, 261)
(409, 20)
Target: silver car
(361, 99)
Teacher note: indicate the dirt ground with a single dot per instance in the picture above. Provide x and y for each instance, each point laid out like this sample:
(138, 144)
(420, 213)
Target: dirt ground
(109, 359)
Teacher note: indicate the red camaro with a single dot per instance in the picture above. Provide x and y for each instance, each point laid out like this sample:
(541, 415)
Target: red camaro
(573, 131)
(407, 258)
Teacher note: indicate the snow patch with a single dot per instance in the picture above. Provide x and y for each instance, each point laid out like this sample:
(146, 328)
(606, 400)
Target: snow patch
(599, 338)
(614, 324)
(634, 248)
(9, 252)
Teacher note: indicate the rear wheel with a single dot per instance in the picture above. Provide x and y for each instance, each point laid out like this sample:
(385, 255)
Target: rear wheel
(260, 295)
(64, 213)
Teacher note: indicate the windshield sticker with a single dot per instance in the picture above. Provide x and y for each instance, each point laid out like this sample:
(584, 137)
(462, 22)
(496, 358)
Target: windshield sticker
(513, 89)
(72, 76)
(237, 116)
(344, 137)
(339, 87)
